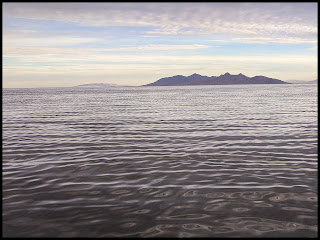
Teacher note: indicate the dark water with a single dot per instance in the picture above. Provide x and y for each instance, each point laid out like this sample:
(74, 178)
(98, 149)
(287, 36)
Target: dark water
(196, 161)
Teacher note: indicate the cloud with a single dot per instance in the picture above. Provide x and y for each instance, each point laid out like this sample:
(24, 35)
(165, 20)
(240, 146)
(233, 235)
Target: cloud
(161, 47)
(274, 40)
(56, 53)
(242, 19)
(10, 41)
(89, 56)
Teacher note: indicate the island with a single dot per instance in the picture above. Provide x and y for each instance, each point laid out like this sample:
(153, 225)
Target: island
(225, 79)
(303, 82)
(97, 85)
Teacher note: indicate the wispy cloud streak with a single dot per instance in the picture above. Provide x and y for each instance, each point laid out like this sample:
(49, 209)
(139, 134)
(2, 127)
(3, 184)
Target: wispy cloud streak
(243, 19)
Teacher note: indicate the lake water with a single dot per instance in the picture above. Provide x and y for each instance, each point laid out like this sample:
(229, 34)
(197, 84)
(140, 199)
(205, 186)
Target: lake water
(189, 161)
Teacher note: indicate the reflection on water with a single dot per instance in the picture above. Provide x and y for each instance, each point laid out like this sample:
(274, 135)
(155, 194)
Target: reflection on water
(196, 161)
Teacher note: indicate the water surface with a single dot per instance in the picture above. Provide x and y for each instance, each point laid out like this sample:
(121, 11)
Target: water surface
(188, 161)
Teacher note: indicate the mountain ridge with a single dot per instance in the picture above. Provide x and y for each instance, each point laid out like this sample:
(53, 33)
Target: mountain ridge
(98, 85)
(303, 82)
(223, 79)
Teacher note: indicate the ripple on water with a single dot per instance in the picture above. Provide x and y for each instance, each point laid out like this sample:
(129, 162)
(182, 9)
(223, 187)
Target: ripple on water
(192, 161)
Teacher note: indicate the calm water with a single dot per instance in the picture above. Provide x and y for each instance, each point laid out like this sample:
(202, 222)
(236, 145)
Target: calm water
(193, 161)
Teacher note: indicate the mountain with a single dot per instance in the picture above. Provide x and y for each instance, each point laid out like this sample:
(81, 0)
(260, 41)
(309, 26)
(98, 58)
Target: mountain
(97, 85)
(179, 80)
(303, 82)
(225, 79)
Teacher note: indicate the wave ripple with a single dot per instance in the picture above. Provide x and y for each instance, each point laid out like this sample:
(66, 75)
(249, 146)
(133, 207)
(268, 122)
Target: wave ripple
(196, 161)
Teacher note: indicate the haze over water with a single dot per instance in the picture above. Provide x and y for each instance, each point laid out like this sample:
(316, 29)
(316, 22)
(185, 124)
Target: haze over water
(189, 161)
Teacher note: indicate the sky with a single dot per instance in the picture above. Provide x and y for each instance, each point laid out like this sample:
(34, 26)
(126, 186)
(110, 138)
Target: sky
(55, 44)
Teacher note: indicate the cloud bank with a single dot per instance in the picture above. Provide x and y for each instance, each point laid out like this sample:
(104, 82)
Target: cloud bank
(241, 19)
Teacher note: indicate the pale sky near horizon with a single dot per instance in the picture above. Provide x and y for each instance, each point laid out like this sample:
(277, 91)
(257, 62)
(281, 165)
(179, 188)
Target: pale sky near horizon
(67, 44)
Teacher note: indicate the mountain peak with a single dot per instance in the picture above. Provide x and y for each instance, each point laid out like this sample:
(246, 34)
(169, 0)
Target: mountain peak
(194, 75)
(223, 79)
